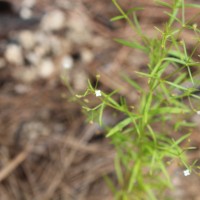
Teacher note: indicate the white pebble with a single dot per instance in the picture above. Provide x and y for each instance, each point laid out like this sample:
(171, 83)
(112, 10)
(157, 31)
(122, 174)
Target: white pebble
(33, 58)
(79, 79)
(41, 37)
(42, 50)
(46, 68)
(13, 54)
(28, 3)
(21, 89)
(198, 112)
(55, 44)
(28, 75)
(25, 13)
(53, 21)
(87, 55)
(67, 62)
(27, 39)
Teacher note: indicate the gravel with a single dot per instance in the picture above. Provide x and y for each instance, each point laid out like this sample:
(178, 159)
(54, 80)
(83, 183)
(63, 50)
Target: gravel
(46, 68)
(14, 54)
(53, 21)
(27, 39)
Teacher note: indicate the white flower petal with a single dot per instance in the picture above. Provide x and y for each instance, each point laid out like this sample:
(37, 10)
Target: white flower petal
(186, 172)
(98, 93)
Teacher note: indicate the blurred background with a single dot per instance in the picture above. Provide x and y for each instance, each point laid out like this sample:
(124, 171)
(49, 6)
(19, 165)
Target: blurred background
(47, 150)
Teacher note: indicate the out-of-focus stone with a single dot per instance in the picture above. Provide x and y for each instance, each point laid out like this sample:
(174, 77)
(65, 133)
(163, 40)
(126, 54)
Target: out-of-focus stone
(42, 50)
(53, 21)
(67, 62)
(79, 80)
(25, 13)
(33, 58)
(27, 39)
(13, 54)
(55, 45)
(67, 45)
(98, 42)
(27, 74)
(28, 3)
(21, 88)
(79, 30)
(43, 46)
(46, 68)
(40, 37)
(66, 4)
(86, 55)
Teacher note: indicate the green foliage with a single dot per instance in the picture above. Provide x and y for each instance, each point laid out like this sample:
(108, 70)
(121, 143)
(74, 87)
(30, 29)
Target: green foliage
(143, 140)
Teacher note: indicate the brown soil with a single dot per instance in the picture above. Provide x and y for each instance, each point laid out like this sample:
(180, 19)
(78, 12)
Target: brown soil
(47, 150)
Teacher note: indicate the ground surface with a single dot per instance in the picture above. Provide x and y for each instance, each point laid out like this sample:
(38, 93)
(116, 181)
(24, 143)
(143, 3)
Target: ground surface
(47, 150)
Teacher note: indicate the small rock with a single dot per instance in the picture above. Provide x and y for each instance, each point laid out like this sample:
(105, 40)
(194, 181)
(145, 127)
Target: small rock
(86, 55)
(27, 39)
(21, 89)
(13, 54)
(25, 13)
(43, 46)
(80, 80)
(53, 21)
(67, 45)
(28, 3)
(40, 37)
(27, 75)
(67, 62)
(42, 50)
(55, 45)
(66, 4)
(46, 68)
(77, 32)
(33, 58)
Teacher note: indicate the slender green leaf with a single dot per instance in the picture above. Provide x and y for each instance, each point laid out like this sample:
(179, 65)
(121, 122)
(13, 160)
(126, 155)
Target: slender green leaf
(101, 114)
(147, 107)
(119, 127)
(132, 44)
(162, 3)
(134, 9)
(191, 5)
(134, 173)
(119, 170)
(170, 110)
(117, 18)
(181, 139)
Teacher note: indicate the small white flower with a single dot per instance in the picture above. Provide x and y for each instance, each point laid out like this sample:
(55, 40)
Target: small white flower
(198, 112)
(98, 93)
(186, 172)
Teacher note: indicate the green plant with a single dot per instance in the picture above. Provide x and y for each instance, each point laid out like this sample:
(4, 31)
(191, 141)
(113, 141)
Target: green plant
(144, 139)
